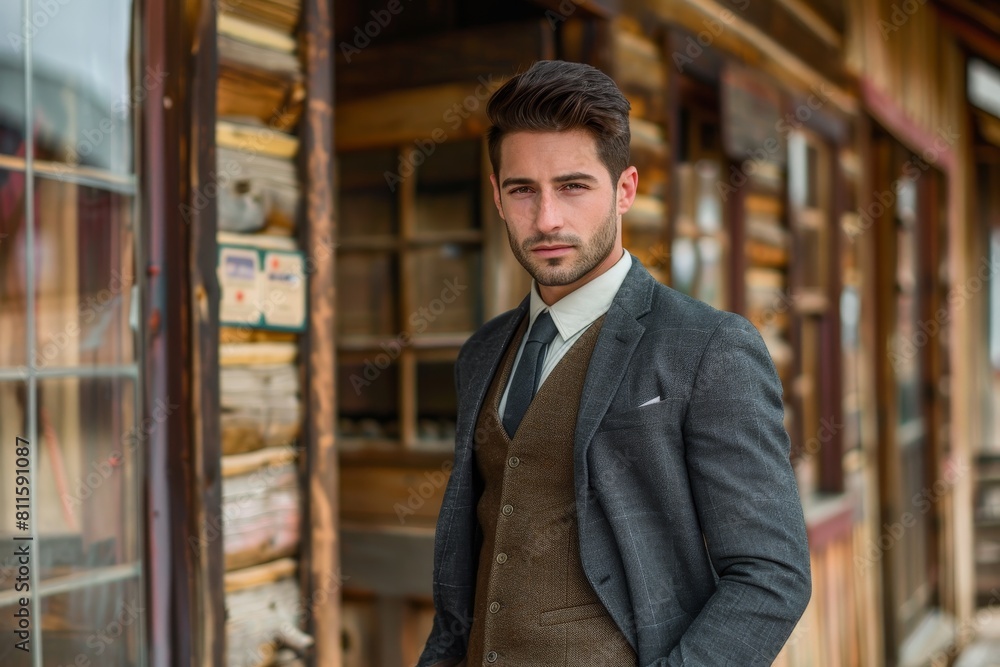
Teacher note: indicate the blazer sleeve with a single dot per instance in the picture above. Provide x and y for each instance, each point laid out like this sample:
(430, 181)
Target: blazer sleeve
(747, 501)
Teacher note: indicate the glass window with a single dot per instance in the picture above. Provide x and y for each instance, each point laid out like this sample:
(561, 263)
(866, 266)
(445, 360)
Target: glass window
(83, 93)
(411, 256)
(69, 365)
(12, 49)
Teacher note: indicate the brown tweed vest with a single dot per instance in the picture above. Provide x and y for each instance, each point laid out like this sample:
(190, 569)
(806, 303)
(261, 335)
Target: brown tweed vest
(533, 604)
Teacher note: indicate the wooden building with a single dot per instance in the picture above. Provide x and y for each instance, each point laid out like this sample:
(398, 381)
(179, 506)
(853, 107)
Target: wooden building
(242, 302)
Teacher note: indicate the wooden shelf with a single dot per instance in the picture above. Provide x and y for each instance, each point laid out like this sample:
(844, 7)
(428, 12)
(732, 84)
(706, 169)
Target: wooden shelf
(387, 452)
(385, 243)
(371, 343)
(395, 243)
(453, 236)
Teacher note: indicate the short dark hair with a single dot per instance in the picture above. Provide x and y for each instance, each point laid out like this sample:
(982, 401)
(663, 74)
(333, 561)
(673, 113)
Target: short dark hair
(555, 96)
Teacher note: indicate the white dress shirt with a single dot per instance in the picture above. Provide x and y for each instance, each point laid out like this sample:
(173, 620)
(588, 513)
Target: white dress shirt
(572, 315)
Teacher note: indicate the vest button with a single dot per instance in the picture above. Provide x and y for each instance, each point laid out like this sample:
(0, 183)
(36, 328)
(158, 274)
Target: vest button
(491, 656)
(494, 607)
(507, 510)
(501, 558)
(513, 462)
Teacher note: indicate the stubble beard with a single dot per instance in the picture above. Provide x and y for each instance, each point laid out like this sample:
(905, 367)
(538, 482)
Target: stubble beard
(566, 270)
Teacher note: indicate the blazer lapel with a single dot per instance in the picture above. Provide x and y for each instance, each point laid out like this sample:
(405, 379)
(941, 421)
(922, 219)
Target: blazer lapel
(616, 343)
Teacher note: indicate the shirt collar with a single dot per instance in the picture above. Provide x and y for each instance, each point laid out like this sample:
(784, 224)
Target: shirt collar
(582, 306)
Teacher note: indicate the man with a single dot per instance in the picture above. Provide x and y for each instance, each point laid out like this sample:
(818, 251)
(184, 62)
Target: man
(621, 493)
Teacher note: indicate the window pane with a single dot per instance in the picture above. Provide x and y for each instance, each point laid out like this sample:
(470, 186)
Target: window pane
(98, 625)
(366, 302)
(448, 189)
(13, 272)
(367, 200)
(86, 463)
(84, 275)
(436, 402)
(12, 79)
(447, 284)
(84, 97)
(368, 395)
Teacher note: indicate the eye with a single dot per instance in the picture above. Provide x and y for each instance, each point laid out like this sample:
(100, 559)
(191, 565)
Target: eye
(575, 186)
(524, 189)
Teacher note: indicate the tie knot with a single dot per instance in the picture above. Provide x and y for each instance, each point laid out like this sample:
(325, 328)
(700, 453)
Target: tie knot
(543, 330)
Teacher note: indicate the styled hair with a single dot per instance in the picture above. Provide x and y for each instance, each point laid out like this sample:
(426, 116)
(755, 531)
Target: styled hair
(555, 96)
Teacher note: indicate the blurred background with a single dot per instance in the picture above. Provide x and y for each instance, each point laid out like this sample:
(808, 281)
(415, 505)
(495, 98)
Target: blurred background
(241, 243)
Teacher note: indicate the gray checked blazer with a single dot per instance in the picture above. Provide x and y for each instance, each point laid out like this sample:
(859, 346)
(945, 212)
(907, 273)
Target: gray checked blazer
(691, 528)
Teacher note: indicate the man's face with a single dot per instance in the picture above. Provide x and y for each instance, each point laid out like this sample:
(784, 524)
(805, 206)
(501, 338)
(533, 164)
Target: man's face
(562, 209)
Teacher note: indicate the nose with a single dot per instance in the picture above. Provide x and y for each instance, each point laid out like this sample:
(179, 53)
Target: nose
(547, 217)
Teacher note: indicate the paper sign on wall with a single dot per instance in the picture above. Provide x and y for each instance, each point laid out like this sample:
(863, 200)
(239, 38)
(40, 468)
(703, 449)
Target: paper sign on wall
(264, 289)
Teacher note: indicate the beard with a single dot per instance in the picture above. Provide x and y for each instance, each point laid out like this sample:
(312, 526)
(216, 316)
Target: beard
(566, 270)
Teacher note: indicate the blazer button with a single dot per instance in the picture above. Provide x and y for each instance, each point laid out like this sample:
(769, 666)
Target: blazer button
(494, 607)
(501, 558)
(491, 656)
(507, 510)
(513, 462)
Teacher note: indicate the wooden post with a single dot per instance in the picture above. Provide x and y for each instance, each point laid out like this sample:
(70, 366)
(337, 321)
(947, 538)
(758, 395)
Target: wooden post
(320, 561)
(203, 305)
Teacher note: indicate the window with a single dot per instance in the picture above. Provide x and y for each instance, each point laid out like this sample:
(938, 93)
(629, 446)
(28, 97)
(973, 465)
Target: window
(410, 279)
(815, 327)
(699, 257)
(69, 363)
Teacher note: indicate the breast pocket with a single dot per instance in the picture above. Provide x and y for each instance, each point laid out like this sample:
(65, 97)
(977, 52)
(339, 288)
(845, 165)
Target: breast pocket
(665, 412)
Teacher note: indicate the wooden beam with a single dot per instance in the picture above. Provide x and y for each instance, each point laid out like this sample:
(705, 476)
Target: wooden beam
(816, 23)
(985, 13)
(749, 42)
(203, 308)
(974, 34)
(916, 138)
(429, 116)
(320, 566)
(456, 56)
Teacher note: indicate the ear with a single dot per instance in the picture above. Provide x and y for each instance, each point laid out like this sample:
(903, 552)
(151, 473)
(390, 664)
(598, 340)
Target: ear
(628, 183)
(496, 196)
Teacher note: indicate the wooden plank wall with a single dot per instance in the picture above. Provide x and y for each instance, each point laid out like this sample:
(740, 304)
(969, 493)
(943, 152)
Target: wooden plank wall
(912, 75)
(641, 69)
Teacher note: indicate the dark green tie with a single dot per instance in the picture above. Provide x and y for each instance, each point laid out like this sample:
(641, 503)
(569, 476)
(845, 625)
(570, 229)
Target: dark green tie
(529, 370)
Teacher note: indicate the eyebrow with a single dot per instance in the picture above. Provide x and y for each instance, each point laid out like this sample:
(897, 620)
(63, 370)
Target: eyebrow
(565, 178)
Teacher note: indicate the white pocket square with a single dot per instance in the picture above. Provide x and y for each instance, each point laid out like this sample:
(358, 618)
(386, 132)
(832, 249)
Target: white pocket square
(651, 401)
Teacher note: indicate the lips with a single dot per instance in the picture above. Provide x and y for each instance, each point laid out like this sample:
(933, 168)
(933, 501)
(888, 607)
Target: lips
(552, 251)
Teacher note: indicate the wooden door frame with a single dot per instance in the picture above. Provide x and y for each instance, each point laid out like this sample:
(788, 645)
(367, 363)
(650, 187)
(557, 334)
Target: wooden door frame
(886, 152)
